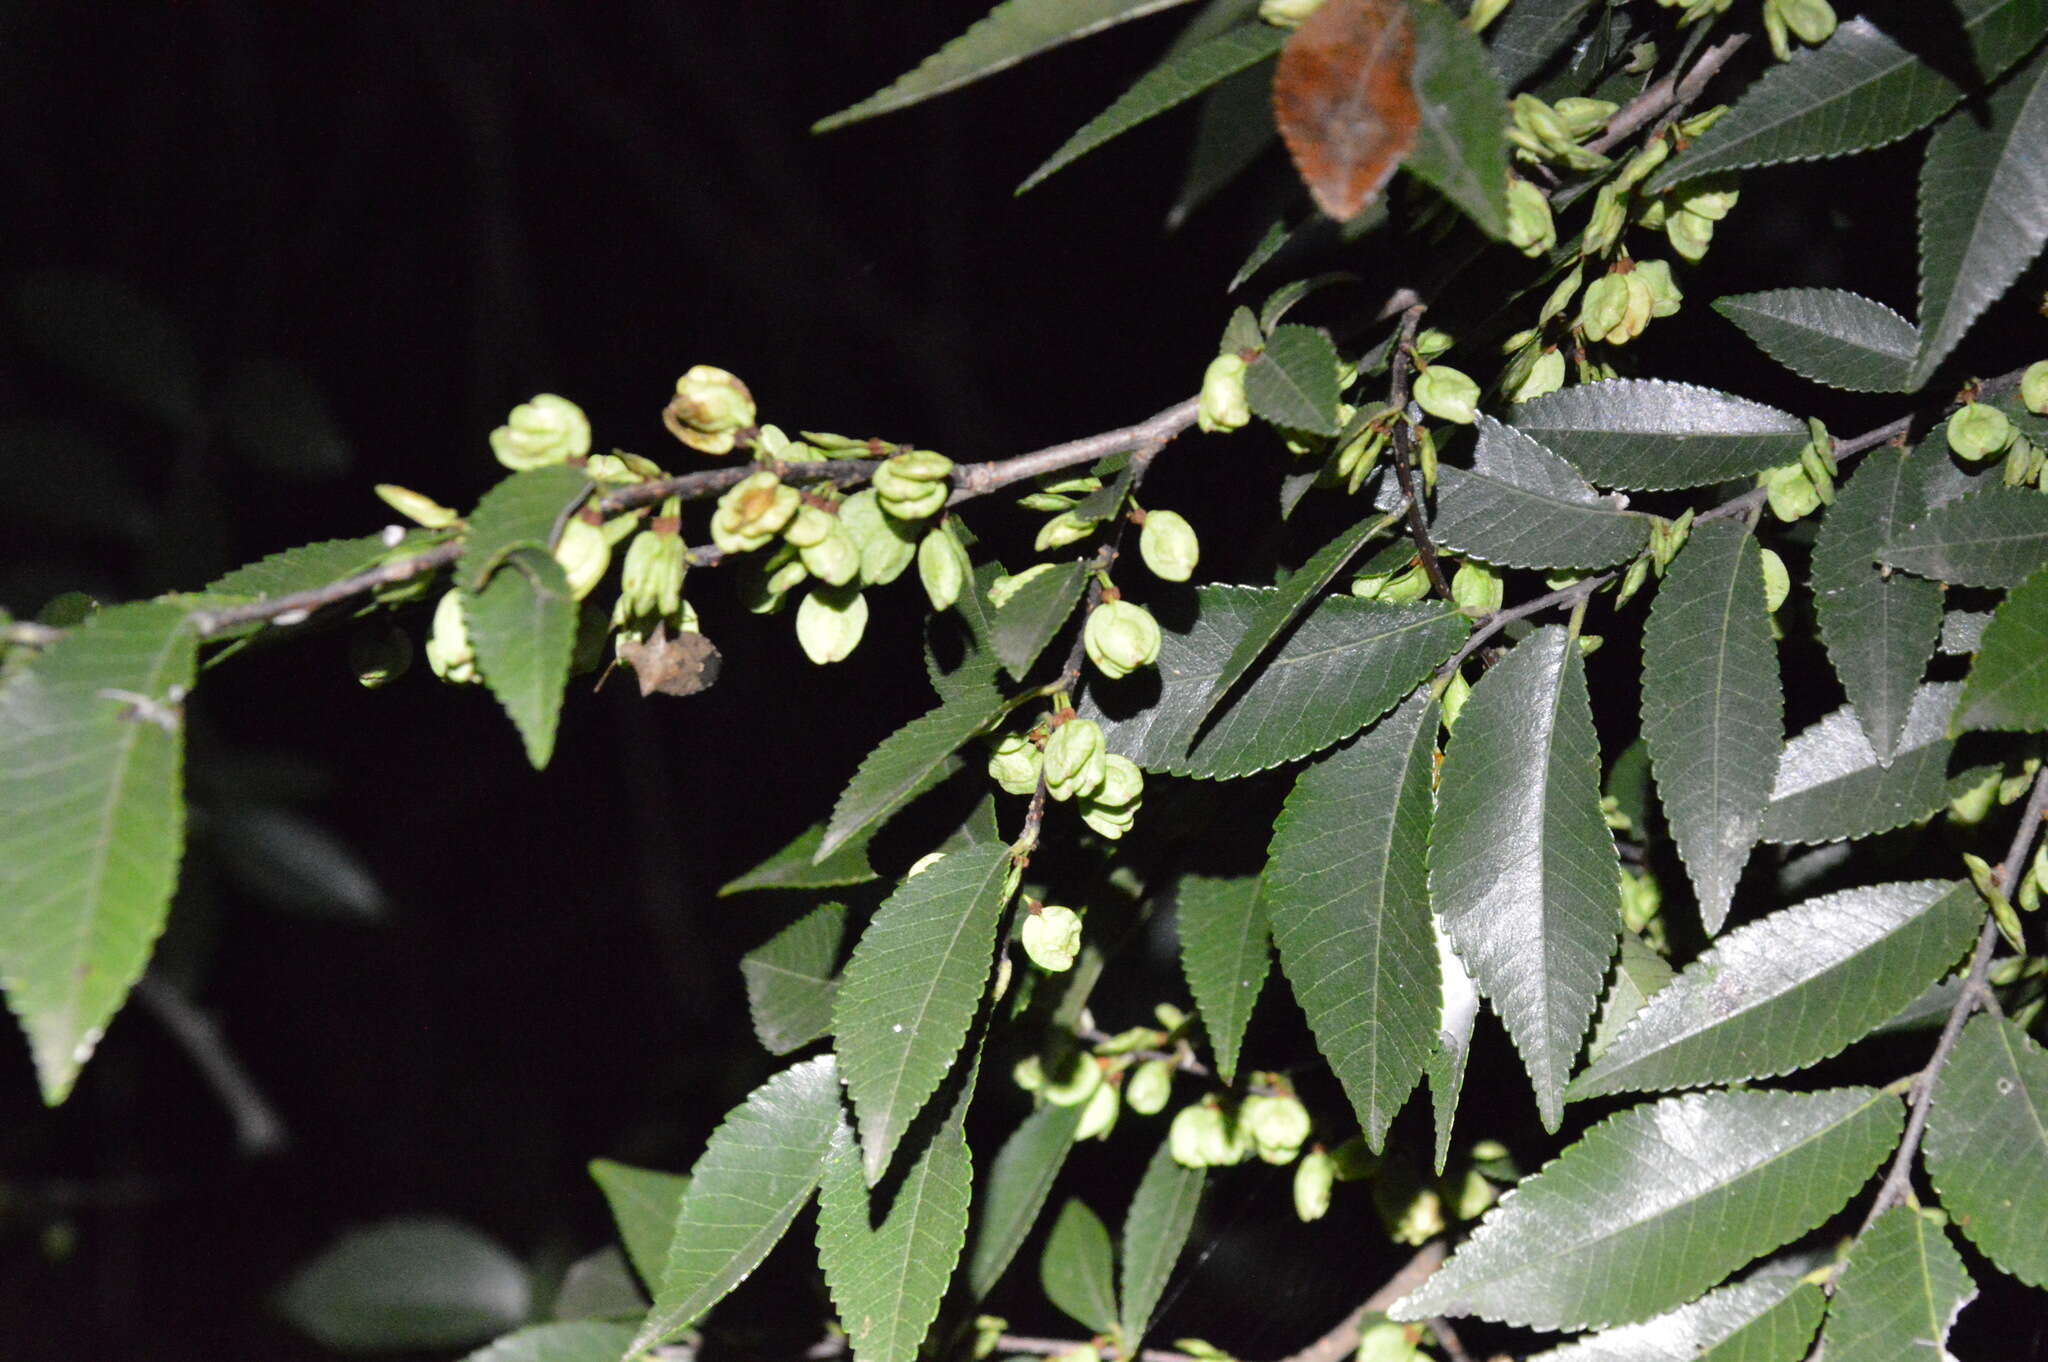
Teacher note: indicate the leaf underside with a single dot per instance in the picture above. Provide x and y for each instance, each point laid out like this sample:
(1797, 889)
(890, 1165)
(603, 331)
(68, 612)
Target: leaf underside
(1225, 951)
(1831, 336)
(1523, 506)
(1647, 434)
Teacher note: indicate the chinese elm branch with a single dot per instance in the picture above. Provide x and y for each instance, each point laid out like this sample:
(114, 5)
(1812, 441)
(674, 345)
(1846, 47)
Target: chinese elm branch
(1404, 444)
(1669, 94)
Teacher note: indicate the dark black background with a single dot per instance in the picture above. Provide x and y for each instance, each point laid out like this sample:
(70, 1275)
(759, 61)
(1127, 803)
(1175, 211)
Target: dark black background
(438, 210)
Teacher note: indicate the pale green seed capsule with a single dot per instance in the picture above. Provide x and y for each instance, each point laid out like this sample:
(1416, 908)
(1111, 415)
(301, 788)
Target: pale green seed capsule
(1456, 692)
(752, 512)
(1632, 581)
(1107, 821)
(1664, 295)
(923, 863)
(1098, 1116)
(886, 544)
(1812, 20)
(1777, 581)
(651, 583)
(1531, 228)
(1447, 394)
(1979, 431)
(1477, 589)
(1223, 405)
(1546, 376)
(942, 567)
(1386, 1341)
(1063, 529)
(547, 430)
(584, 553)
(1790, 491)
(1278, 1126)
(810, 526)
(1075, 762)
(829, 624)
(379, 655)
(1604, 307)
(1287, 13)
(1120, 638)
(448, 649)
(709, 408)
(1169, 545)
(921, 505)
(1149, 1087)
(1052, 937)
(1013, 764)
(1123, 784)
(1314, 1177)
(1584, 117)
(1074, 1084)
(417, 507)
(835, 559)
(2034, 387)
(1689, 233)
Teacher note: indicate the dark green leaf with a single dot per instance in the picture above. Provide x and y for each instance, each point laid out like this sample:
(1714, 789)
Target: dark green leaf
(524, 511)
(1530, 33)
(1713, 708)
(1879, 627)
(1155, 1230)
(523, 627)
(301, 569)
(645, 1204)
(405, 1285)
(1638, 973)
(1983, 209)
(92, 823)
(1763, 1319)
(908, 762)
(1521, 865)
(1015, 1191)
(1996, 537)
(1856, 91)
(1645, 433)
(1660, 1202)
(1288, 600)
(1076, 1270)
(790, 988)
(1014, 31)
(752, 1179)
(2008, 683)
(1446, 1067)
(1829, 335)
(1232, 130)
(1025, 623)
(888, 1272)
(1262, 254)
(1830, 787)
(1343, 666)
(1522, 506)
(576, 1341)
(796, 866)
(1987, 1145)
(1294, 383)
(1460, 147)
(1347, 889)
(911, 989)
(1900, 1294)
(1180, 77)
(1791, 989)
(1225, 948)
(114, 340)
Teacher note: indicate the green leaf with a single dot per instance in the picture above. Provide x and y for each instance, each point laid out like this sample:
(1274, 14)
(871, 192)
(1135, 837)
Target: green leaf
(1347, 889)
(1522, 506)
(1983, 209)
(1530, 33)
(888, 1272)
(1018, 1183)
(1028, 620)
(1294, 383)
(1856, 91)
(1012, 32)
(1288, 600)
(1713, 708)
(645, 1204)
(752, 1179)
(1660, 1202)
(1638, 973)
(523, 627)
(1995, 537)
(2008, 683)
(410, 1284)
(1987, 1145)
(908, 762)
(578, 1341)
(92, 823)
(524, 511)
(1830, 787)
(1900, 1293)
(911, 989)
(1764, 1319)
(1343, 666)
(1180, 77)
(301, 568)
(1879, 627)
(1521, 865)
(1225, 948)
(1829, 335)
(797, 866)
(790, 988)
(119, 343)
(1651, 435)
(1455, 1017)
(1460, 147)
(1075, 1271)
(1791, 989)
(1155, 1230)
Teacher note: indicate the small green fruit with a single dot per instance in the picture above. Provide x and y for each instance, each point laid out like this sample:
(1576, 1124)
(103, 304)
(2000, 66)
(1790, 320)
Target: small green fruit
(942, 567)
(1120, 638)
(1150, 1087)
(2034, 387)
(1098, 1117)
(1447, 394)
(1014, 764)
(1979, 431)
(584, 553)
(829, 624)
(1314, 1177)
(547, 430)
(752, 512)
(1477, 589)
(417, 507)
(448, 647)
(1063, 529)
(1169, 546)
(1052, 937)
(886, 544)
(651, 583)
(1075, 760)
(710, 407)
(1223, 406)
(1777, 581)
